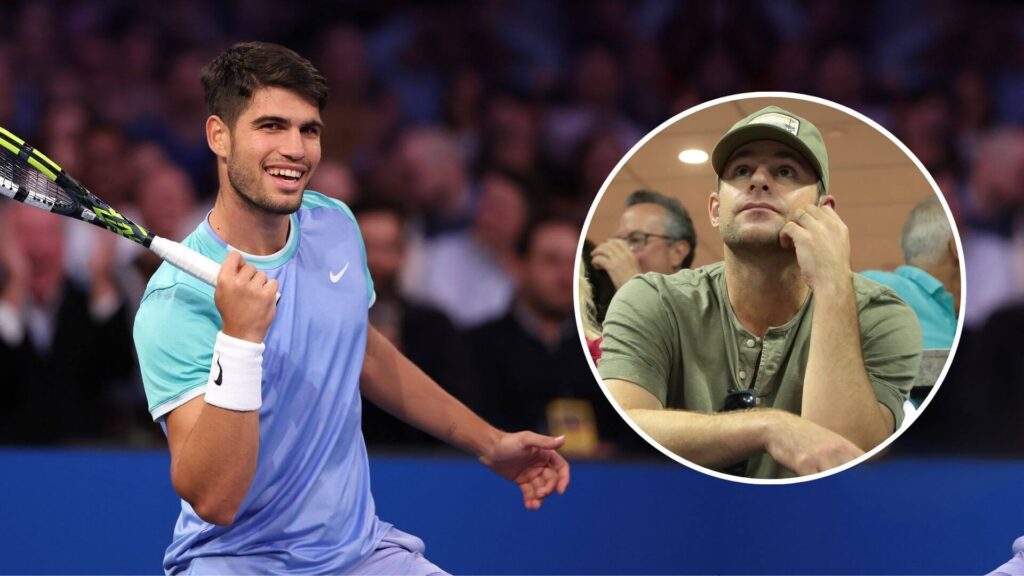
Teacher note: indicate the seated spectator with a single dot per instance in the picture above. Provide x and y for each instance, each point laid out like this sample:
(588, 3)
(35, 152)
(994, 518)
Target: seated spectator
(655, 235)
(166, 202)
(530, 361)
(64, 350)
(471, 275)
(930, 280)
(333, 178)
(782, 324)
(422, 333)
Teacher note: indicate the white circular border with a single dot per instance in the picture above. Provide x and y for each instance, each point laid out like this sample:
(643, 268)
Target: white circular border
(935, 189)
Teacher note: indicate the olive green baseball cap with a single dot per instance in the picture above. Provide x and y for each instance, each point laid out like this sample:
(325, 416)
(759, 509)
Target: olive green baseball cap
(774, 123)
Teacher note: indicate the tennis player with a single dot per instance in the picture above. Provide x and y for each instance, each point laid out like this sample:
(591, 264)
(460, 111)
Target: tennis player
(260, 396)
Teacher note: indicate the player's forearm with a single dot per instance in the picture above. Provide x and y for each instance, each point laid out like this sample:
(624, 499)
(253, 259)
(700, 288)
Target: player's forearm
(399, 387)
(214, 467)
(837, 392)
(711, 440)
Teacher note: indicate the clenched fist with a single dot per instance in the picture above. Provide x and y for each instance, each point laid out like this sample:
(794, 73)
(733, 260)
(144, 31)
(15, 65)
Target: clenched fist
(246, 299)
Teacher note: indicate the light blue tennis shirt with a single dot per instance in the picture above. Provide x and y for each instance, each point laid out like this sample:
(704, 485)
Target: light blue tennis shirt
(309, 508)
(929, 299)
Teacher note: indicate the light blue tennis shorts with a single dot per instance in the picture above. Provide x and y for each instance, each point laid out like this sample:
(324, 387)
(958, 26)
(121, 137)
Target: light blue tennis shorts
(1015, 567)
(399, 553)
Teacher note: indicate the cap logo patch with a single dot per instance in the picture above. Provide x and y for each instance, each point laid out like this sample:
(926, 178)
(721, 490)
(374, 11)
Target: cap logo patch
(787, 123)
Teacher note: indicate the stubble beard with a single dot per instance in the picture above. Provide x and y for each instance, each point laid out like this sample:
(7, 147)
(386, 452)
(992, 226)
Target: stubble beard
(247, 185)
(753, 243)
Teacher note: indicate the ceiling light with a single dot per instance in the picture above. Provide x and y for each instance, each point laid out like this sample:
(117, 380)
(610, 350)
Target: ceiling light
(693, 156)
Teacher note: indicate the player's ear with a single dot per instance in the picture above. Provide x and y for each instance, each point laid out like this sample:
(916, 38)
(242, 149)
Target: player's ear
(218, 137)
(827, 200)
(713, 206)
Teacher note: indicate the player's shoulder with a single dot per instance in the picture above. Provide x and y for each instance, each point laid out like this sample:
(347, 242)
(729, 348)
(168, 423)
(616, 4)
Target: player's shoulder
(313, 200)
(170, 286)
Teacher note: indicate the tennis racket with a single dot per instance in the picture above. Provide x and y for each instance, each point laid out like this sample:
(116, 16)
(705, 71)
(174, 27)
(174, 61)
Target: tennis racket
(28, 176)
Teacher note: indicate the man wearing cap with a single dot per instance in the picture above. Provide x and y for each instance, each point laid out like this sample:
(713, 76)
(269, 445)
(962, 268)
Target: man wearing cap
(809, 362)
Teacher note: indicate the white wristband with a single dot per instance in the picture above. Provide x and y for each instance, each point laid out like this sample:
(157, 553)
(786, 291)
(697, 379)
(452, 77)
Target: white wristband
(236, 376)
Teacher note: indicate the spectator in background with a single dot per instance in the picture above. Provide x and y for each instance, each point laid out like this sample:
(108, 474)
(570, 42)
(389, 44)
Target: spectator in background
(106, 168)
(993, 240)
(510, 135)
(929, 281)
(596, 158)
(655, 234)
(782, 324)
(181, 109)
(424, 334)
(64, 350)
(597, 99)
(167, 205)
(530, 358)
(472, 275)
(63, 129)
(334, 179)
(435, 181)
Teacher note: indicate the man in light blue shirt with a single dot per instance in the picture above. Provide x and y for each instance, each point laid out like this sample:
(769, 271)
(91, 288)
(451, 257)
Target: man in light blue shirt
(260, 397)
(930, 280)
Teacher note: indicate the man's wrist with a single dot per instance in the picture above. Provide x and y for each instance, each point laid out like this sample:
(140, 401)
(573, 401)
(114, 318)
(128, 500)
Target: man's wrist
(766, 422)
(486, 445)
(834, 287)
(250, 336)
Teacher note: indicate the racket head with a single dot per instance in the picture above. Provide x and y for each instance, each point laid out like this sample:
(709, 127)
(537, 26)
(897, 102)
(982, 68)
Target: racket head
(28, 176)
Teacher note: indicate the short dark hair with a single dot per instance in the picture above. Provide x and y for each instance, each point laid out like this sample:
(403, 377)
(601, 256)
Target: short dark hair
(525, 243)
(232, 78)
(678, 225)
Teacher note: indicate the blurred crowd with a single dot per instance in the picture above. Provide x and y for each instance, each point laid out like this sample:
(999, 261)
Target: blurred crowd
(471, 139)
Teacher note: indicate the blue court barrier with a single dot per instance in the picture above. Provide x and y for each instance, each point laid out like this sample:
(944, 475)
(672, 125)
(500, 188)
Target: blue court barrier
(70, 511)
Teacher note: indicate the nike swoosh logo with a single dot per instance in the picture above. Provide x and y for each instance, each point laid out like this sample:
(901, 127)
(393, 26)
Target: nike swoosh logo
(220, 377)
(336, 277)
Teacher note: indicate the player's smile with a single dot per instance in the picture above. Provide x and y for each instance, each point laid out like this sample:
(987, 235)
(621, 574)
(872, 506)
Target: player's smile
(287, 177)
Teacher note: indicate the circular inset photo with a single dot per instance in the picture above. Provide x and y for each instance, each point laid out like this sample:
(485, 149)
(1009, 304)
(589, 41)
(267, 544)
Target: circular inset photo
(770, 287)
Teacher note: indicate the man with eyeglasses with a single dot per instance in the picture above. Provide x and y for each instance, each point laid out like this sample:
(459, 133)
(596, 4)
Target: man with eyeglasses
(655, 234)
(779, 360)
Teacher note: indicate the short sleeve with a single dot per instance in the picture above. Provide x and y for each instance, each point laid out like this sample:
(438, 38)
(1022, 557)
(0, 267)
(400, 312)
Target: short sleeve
(175, 330)
(639, 341)
(891, 346)
(316, 199)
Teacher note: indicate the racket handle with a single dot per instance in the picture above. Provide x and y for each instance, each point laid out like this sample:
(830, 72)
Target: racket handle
(188, 260)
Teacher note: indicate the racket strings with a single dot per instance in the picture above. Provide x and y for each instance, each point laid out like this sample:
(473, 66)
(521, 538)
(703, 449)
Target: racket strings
(16, 174)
